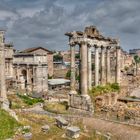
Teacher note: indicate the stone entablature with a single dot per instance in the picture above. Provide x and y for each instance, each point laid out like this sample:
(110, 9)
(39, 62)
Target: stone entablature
(29, 58)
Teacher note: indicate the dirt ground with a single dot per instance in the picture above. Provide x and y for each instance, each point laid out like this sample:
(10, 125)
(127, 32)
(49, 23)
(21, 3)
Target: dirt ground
(119, 131)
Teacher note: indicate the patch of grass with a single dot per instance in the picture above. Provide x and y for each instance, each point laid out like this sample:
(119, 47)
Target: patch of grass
(58, 108)
(8, 125)
(30, 101)
(99, 90)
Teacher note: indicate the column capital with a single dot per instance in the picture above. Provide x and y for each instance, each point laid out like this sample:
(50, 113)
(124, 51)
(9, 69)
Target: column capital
(83, 43)
(72, 44)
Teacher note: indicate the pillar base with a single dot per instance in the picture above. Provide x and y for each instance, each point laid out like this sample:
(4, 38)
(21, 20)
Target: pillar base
(80, 104)
(86, 96)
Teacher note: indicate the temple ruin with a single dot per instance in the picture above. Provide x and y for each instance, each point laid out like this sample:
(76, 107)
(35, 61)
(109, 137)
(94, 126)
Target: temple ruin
(88, 40)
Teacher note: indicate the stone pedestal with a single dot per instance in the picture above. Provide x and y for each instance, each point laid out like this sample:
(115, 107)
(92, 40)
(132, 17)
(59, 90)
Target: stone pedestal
(80, 105)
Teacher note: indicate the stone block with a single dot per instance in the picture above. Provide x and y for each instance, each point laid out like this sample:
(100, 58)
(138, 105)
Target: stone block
(73, 132)
(45, 128)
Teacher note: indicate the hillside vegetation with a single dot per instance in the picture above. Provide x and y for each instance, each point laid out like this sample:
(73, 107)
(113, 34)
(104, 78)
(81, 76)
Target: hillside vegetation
(8, 125)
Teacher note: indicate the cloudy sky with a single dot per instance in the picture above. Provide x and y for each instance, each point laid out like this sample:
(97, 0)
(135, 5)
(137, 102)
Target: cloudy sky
(32, 23)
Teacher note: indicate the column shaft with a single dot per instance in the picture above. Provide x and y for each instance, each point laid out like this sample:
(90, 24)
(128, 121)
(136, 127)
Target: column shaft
(89, 69)
(118, 71)
(84, 69)
(73, 70)
(108, 71)
(102, 65)
(2, 68)
(96, 66)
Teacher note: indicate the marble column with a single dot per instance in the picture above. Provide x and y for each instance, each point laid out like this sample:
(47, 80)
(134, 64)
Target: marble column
(84, 69)
(96, 65)
(89, 68)
(28, 78)
(103, 65)
(2, 69)
(118, 69)
(108, 70)
(11, 68)
(73, 70)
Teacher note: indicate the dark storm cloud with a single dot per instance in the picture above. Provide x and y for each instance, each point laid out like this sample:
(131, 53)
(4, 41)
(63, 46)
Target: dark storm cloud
(32, 23)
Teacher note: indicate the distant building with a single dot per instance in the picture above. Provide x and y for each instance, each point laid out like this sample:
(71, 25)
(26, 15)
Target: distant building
(42, 51)
(134, 52)
(31, 68)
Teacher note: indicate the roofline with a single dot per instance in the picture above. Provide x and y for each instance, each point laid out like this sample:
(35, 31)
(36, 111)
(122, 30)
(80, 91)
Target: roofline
(50, 52)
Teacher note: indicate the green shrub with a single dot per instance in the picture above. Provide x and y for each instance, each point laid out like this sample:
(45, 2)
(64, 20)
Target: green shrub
(30, 101)
(115, 86)
(99, 90)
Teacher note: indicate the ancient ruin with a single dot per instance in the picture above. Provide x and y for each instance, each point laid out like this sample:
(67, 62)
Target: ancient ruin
(3, 93)
(91, 38)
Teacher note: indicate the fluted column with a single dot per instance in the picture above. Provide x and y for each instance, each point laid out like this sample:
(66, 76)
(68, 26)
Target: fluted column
(118, 70)
(2, 73)
(108, 71)
(103, 65)
(73, 70)
(84, 69)
(89, 68)
(96, 65)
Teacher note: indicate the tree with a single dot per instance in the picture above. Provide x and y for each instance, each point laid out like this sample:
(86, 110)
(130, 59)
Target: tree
(137, 61)
(57, 57)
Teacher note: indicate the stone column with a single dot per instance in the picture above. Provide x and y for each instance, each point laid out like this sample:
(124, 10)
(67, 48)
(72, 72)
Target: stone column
(118, 70)
(108, 71)
(11, 68)
(73, 70)
(96, 65)
(103, 65)
(2, 73)
(45, 78)
(84, 69)
(89, 68)
(28, 78)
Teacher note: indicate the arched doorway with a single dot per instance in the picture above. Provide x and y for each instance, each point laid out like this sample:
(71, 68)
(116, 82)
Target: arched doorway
(24, 79)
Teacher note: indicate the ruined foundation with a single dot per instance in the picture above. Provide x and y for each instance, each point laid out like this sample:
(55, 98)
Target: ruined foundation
(80, 105)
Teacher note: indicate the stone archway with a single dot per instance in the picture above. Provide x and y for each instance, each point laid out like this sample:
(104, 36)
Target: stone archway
(23, 79)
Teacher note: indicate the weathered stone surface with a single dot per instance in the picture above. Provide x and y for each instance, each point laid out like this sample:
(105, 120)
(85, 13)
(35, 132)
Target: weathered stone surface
(136, 93)
(73, 132)
(61, 122)
(27, 127)
(27, 136)
(45, 128)
(82, 103)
